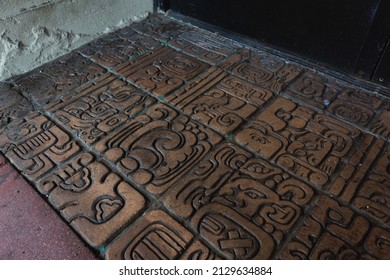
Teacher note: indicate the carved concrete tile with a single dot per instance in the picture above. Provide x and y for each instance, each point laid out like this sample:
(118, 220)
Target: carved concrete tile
(158, 147)
(118, 47)
(303, 142)
(220, 100)
(332, 231)
(355, 106)
(243, 206)
(381, 125)
(35, 145)
(54, 79)
(162, 70)
(204, 45)
(158, 236)
(365, 179)
(98, 108)
(13, 105)
(263, 69)
(94, 200)
(160, 27)
(315, 89)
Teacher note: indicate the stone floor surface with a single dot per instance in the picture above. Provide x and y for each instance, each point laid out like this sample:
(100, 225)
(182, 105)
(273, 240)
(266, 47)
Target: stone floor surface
(166, 141)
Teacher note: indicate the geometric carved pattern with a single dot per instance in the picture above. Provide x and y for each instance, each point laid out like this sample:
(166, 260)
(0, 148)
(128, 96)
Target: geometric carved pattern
(95, 201)
(100, 107)
(262, 69)
(206, 46)
(36, 146)
(355, 106)
(157, 236)
(243, 206)
(335, 232)
(219, 99)
(365, 182)
(54, 79)
(118, 47)
(164, 178)
(314, 89)
(157, 147)
(305, 143)
(161, 70)
(381, 125)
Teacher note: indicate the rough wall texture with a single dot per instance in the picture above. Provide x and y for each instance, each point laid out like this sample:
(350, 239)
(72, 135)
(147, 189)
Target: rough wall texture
(33, 32)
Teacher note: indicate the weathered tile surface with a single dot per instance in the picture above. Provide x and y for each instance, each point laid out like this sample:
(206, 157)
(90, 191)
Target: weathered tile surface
(307, 144)
(365, 180)
(92, 198)
(98, 108)
(156, 148)
(314, 89)
(158, 236)
(12, 105)
(118, 47)
(381, 125)
(165, 141)
(261, 68)
(54, 79)
(333, 231)
(355, 106)
(162, 70)
(244, 207)
(206, 46)
(36, 145)
(220, 100)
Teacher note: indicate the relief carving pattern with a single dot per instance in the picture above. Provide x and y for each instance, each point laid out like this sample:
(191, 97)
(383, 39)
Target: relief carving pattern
(36, 145)
(158, 147)
(243, 206)
(93, 199)
(335, 232)
(305, 143)
(261, 68)
(54, 79)
(99, 108)
(161, 70)
(157, 236)
(220, 100)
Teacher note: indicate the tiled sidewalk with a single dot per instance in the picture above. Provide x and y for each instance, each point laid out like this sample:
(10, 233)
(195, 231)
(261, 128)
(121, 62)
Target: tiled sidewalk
(166, 141)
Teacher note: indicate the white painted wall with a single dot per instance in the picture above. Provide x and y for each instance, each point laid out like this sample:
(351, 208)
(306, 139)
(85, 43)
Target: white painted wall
(33, 32)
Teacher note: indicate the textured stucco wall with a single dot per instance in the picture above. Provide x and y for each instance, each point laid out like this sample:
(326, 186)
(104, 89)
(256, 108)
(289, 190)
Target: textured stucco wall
(33, 32)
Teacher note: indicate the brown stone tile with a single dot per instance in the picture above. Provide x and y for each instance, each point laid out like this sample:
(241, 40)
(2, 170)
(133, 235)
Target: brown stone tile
(303, 142)
(118, 47)
(13, 105)
(220, 100)
(206, 46)
(35, 145)
(243, 206)
(332, 231)
(161, 70)
(160, 27)
(261, 68)
(365, 180)
(157, 147)
(157, 236)
(315, 89)
(54, 79)
(381, 125)
(95, 201)
(355, 106)
(98, 108)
